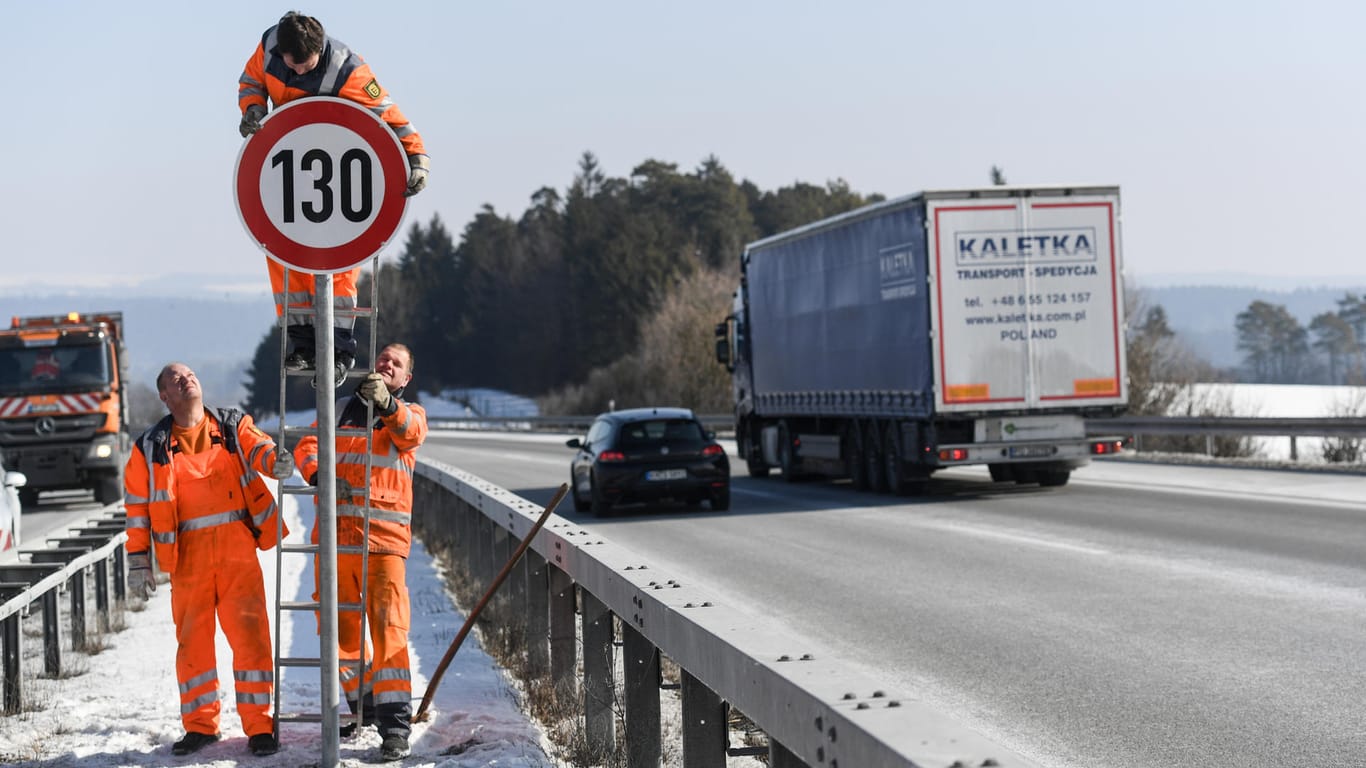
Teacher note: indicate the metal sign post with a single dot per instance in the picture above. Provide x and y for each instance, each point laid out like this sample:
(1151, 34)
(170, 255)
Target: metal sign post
(320, 189)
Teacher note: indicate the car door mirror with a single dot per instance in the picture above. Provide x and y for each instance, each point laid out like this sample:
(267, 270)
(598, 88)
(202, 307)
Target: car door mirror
(16, 479)
(574, 442)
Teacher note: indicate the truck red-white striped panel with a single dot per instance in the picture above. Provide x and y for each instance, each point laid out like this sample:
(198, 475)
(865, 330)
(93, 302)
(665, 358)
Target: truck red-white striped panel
(11, 407)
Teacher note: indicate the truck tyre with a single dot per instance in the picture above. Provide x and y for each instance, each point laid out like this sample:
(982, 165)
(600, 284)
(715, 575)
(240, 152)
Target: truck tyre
(853, 458)
(753, 462)
(1001, 473)
(109, 489)
(893, 465)
(786, 458)
(872, 459)
(1053, 478)
(598, 503)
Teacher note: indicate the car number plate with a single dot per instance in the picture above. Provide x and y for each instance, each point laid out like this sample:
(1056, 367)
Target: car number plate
(1030, 451)
(666, 474)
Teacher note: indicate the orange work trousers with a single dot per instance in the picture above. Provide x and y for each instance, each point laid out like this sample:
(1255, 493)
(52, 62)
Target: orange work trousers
(301, 289)
(218, 580)
(387, 684)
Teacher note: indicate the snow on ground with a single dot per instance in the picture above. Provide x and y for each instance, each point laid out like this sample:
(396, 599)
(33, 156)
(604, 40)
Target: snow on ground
(123, 710)
(1282, 401)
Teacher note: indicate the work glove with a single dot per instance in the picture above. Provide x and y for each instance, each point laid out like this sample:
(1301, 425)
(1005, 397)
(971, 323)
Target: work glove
(344, 489)
(140, 581)
(417, 177)
(251, 120)
(376, 391)
(284, 465)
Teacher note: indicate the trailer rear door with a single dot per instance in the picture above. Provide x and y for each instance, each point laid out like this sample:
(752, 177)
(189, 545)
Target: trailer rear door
(1026, 299)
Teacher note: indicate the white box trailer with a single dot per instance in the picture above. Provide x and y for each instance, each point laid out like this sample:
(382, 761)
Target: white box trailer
(948, 327)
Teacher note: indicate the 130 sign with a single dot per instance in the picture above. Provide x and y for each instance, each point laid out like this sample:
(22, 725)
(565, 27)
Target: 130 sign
(320, 185)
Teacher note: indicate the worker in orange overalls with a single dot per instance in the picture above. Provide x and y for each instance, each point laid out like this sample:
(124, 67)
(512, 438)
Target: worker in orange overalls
(193, 494)
(386, 692)
(294, 60)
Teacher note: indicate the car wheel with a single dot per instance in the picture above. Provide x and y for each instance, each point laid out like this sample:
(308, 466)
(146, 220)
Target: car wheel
(597, 502)
(720, 500)
(580, 505)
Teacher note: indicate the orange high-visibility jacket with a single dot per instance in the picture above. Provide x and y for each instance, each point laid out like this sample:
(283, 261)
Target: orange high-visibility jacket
(396, 437)
(154, 517)
(339, 73)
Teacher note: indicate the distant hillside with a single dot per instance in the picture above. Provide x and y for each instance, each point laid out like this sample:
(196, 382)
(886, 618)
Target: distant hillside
(1204, 315)
(216, 336)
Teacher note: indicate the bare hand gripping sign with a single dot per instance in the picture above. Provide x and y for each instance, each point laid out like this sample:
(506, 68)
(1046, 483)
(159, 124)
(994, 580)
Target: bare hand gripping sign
(320, 186)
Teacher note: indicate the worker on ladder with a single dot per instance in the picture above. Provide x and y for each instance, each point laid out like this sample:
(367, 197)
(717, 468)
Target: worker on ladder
(294, 60)
(384, 693)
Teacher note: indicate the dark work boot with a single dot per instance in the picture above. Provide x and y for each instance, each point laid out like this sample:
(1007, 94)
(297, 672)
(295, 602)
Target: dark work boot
(263, 744)
(394, 747)
(193, 742)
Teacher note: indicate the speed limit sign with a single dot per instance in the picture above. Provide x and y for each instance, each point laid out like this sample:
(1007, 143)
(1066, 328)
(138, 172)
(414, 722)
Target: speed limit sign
(320, 185)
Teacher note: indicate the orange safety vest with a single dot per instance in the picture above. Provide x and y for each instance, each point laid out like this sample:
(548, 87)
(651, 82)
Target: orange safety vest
(339, 73)
(393, 457)
(155, 518)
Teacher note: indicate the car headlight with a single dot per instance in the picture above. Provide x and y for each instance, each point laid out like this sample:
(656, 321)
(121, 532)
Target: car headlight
(104, 451)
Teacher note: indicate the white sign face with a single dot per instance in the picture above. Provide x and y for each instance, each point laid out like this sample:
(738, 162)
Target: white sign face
(321, 185)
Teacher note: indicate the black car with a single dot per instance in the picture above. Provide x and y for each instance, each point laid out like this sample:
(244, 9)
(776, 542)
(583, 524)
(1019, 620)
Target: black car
(648, 454)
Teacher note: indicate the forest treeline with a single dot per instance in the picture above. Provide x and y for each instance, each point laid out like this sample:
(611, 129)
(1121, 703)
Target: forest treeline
(605, 295)
(535, 305)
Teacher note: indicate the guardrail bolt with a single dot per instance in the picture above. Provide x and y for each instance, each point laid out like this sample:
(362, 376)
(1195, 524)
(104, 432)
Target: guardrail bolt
(893, 703)
(861, 705)
(832, 733)
(849, 697)
(784, 657)
(879, 694)
(989, 763)
(820, 754)
(808, 657)
(820, 723)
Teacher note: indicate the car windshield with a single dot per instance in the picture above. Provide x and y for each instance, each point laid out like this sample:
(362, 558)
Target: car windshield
(676, 433)
(58, 368)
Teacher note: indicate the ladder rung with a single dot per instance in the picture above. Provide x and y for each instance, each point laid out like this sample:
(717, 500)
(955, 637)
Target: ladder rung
(307, 605)
(311, 717)
(301, 490)
(354, 373)
(300, 661)
(338, 431)
(313, 312)
(313, 549)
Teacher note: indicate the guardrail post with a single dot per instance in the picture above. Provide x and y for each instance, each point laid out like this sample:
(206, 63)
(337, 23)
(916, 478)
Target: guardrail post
(52, 635)
(120, 580)
(780, 757)
(563, 637)
(640, 658)
(102, 594)
(77, 582)
(14, 686)
(1294, 450)
(499, 552)
(704, 725)
(537, 616)
(598, 683)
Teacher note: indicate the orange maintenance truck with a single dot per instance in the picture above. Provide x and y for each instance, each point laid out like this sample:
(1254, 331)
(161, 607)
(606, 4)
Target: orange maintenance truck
(63, 404)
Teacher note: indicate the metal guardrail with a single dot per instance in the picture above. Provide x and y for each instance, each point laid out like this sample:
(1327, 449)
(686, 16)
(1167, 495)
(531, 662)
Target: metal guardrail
(815, 710)
(61, 565)
(1230, 425)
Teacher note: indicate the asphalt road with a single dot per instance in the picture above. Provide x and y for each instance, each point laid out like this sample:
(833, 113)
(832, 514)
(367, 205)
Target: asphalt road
(1141, 616)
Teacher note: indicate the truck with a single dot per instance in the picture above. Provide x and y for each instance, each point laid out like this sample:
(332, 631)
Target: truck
(940, 329)
(63, 403)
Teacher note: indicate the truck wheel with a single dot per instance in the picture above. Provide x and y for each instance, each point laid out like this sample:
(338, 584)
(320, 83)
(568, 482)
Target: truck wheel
(1001, 473)
(853, 459)
(109, 489)
(785, 455)
(892, 464)
(872, 459)
(1053, 478)
(753, 463)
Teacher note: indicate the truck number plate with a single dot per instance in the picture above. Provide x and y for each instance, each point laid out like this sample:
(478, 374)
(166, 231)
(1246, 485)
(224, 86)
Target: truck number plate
(666, 474)
(1030, 451)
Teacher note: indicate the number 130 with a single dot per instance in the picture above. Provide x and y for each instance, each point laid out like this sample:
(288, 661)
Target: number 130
(353, 162)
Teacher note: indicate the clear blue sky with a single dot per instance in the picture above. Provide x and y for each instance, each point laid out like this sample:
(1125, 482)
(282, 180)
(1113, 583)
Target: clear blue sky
(1235, 130)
